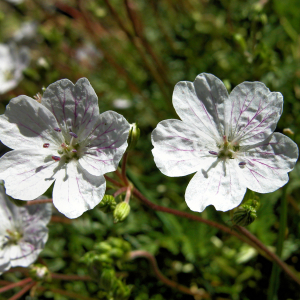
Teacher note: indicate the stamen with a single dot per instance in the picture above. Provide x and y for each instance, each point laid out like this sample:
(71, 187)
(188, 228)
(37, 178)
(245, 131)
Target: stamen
(213, 152)
(46, 145)
(74, 150)
(74, 135)
(242, 163)
(57, 129)
(56, 158)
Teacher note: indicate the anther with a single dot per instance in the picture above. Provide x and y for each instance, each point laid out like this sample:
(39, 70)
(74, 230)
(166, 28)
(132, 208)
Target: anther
(74, 135)
(46, 145)
(74, 150)
(56, 158)
(242, 163)
(57, 129)
(213, 152)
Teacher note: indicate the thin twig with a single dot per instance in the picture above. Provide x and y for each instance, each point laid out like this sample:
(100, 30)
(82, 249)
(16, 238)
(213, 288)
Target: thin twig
(124, 162)
(120, 191)
(23, 291)
(71, 277)
(115, 182)
(38, 201)
(162, 278)
(15, 284)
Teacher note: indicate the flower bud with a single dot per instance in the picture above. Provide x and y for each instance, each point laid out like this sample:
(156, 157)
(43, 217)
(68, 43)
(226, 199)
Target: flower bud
(133, 137)
(121, 212)
(107, 204)
(103, 247)
(244, 215)
(40, 272)
(288, 132)
(107, 279)
(116, 253)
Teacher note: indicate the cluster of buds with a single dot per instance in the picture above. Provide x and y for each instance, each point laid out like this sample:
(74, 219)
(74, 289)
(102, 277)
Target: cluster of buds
(102, 260)
(120, 211)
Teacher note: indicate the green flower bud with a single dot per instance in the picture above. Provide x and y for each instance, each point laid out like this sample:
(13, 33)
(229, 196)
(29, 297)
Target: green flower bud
(133, 137)
(104, 258)
(107, 279)
(121, 212)
(244, 215)
(115, 242)
(103, 247)
(116, 253)
(107, 204)
(40, 272)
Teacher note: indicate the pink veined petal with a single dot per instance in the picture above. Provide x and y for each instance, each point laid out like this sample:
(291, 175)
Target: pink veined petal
(254, 112)
(179, 149)
(268, 162)
(4, 261)
(27, 174)
(202, 104)
(75, 107)
(27, 124)
(219, 186)
(76, 191)
(106, 144)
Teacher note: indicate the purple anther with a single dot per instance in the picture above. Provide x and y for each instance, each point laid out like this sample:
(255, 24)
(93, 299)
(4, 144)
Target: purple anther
(46, 145)
(242, 163)
(74, 135)
(213, 152)
(57, 129)
(74, 150)
(56, 158)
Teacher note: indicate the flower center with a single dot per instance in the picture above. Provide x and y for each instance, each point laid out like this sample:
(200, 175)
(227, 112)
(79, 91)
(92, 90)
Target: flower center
(13, 237)
(227, 149)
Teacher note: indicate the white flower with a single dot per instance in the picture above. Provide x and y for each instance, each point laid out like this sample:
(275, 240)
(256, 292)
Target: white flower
(227, 140)
(23, 232)
(62, 139)
(13, 62)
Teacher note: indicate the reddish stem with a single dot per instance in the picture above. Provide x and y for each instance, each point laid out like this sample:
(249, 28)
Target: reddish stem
(161, 277)
(124, 161)
(23, 291)
(38, 201)
(120, 191)
(115, 182)
(15, 284)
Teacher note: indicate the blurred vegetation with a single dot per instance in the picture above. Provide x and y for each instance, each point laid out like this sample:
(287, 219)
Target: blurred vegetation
(138, 51)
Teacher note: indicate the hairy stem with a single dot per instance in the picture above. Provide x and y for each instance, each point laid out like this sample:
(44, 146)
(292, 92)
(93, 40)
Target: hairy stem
(162, 278)
(39, 201)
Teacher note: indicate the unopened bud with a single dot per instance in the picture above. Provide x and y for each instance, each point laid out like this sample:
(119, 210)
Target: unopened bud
(107, 204)
(103, 247)
(288, 132)
(133, 137)
(121, 212)
(107, 279)
(40, 273)
(244, 215)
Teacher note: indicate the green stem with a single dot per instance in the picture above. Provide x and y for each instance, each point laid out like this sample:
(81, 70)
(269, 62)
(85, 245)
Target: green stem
(274, 281)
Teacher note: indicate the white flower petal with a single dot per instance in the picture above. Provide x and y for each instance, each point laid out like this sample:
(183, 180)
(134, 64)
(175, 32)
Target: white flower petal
(27, 174)
(219, 186)
(202, 104)
(28, 124)
(268, 162)
(254, 112)
(74, 106)
(76, 191)
(13, 62)
(179, 148)
(107, 143)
